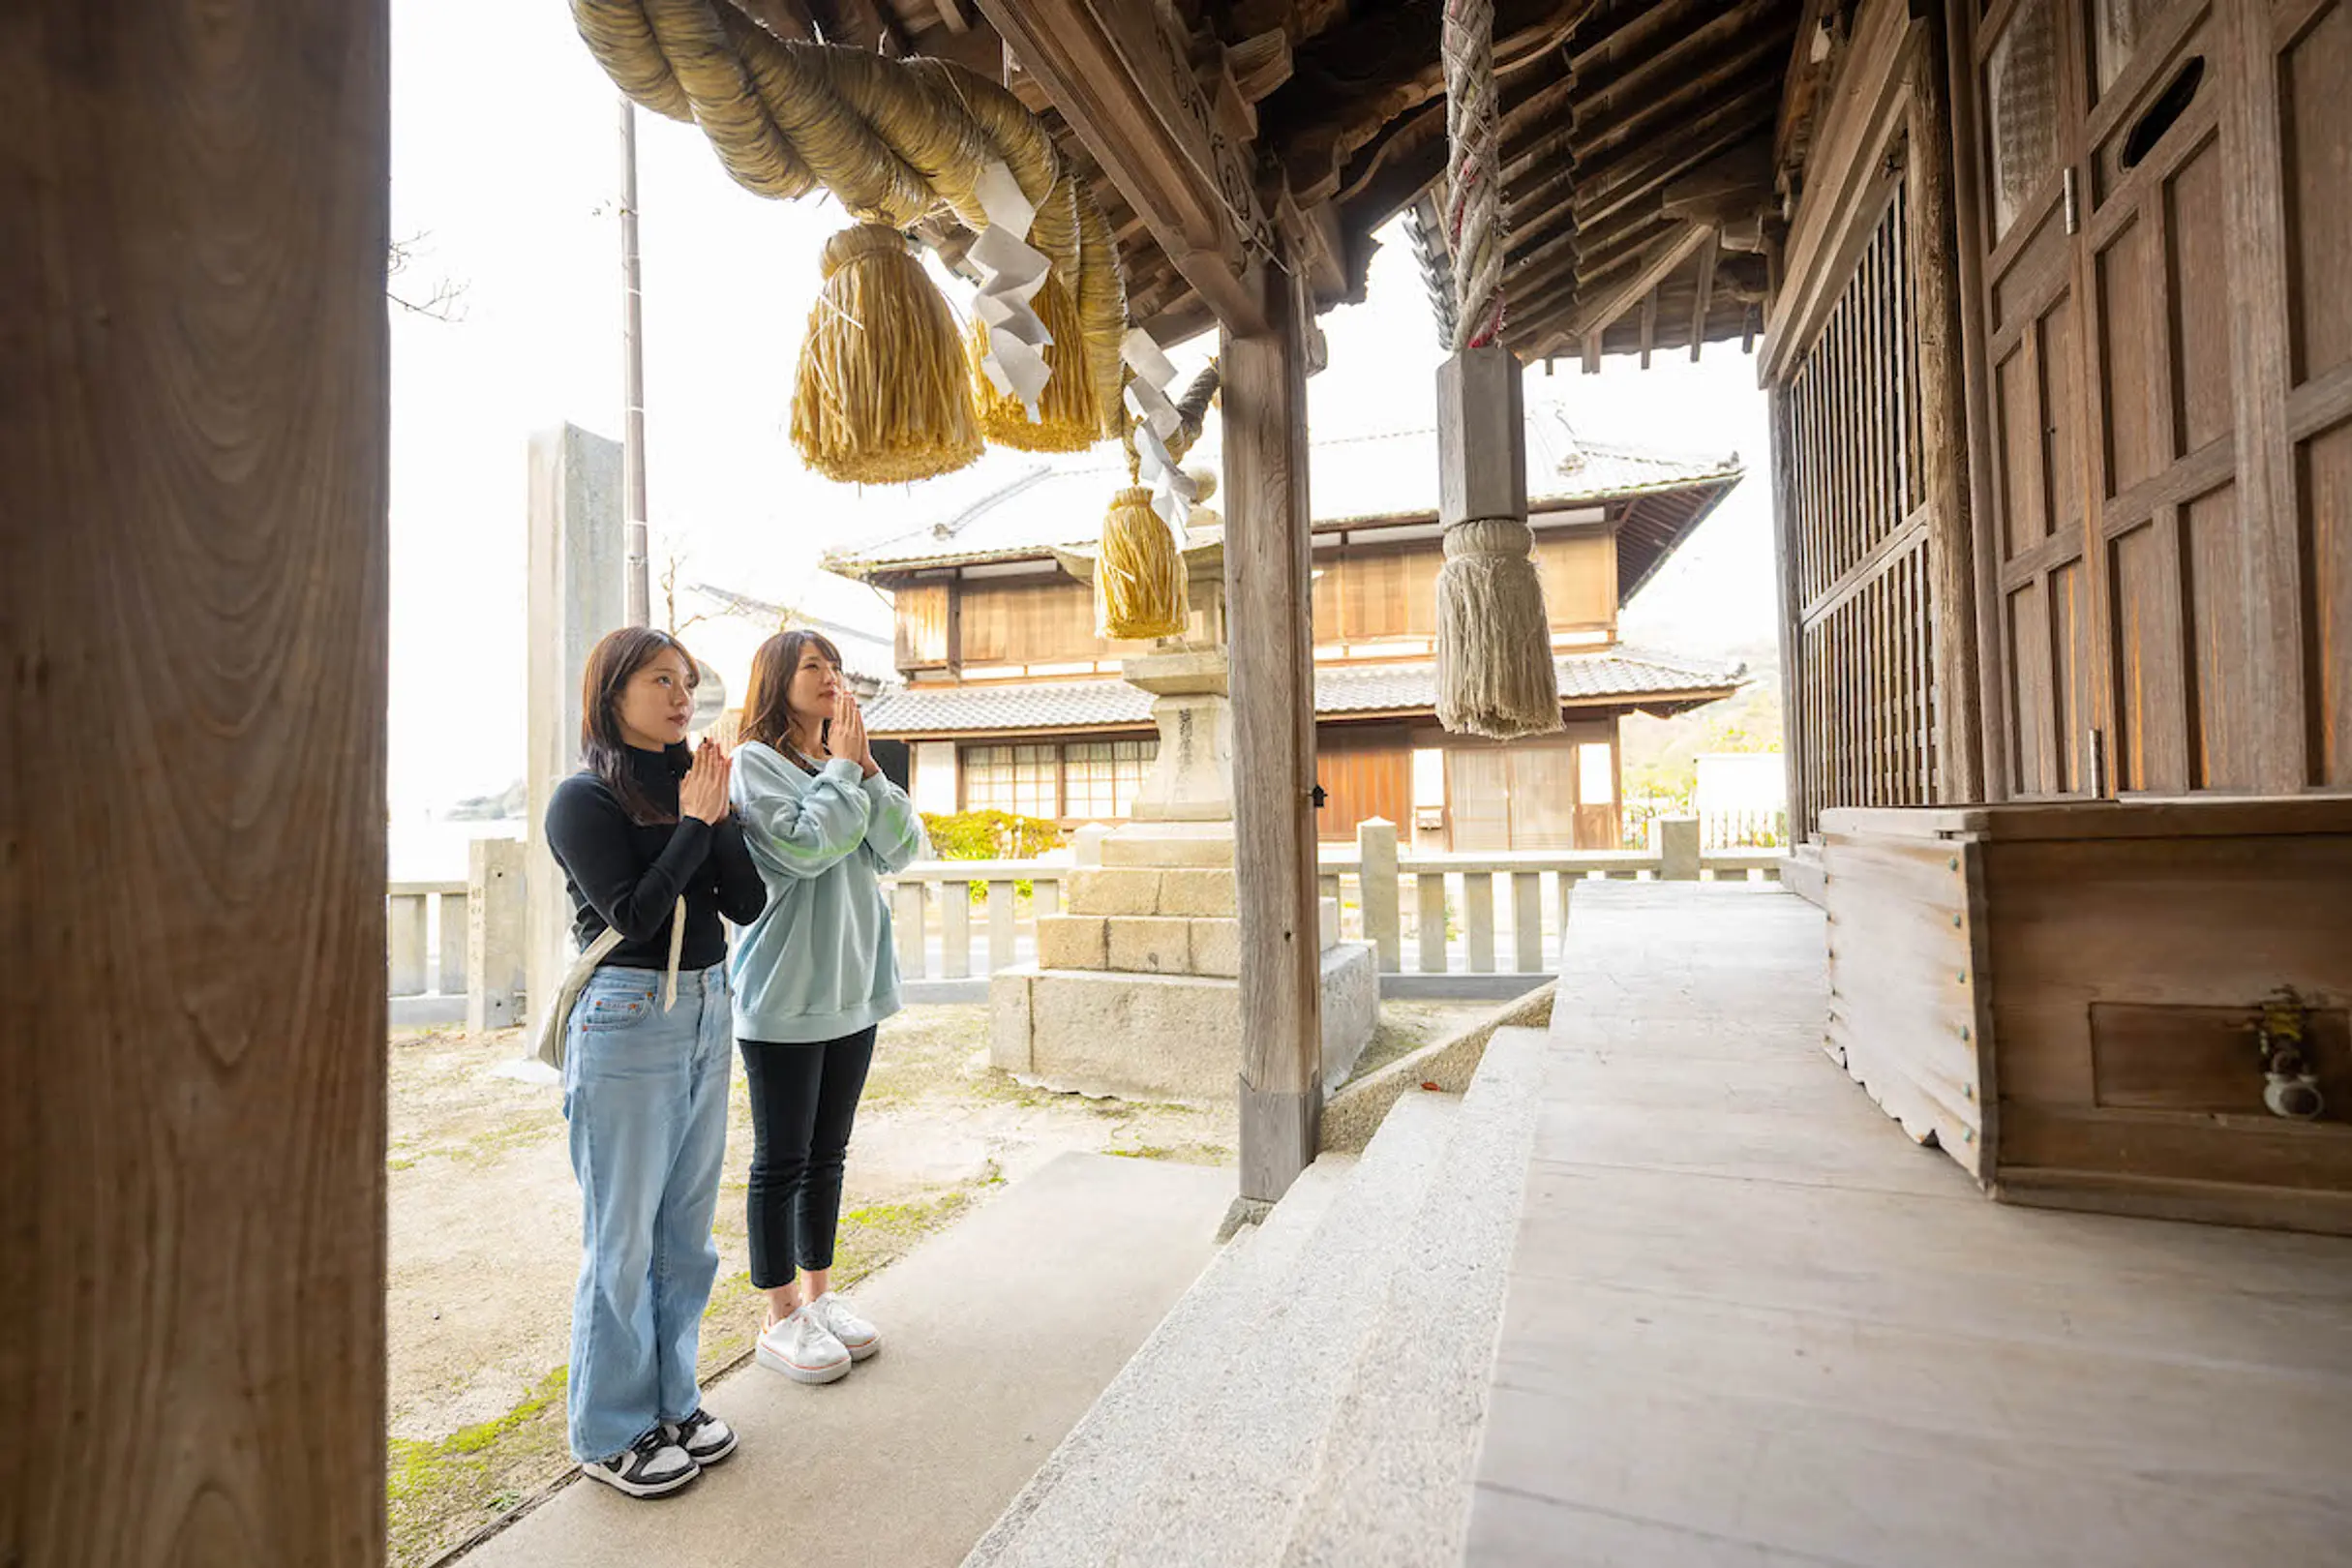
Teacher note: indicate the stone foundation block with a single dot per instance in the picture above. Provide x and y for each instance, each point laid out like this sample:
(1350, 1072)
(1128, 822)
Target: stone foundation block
(1330, 911)
(1150, 944)
(1124, 890)
(1217, 948)
(1160, 1037)
(1196, 892)
(1171, 844)
(1010, 1028)
(1073, 941)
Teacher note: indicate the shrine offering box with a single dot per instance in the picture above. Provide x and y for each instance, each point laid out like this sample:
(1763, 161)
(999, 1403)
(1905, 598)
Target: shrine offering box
(2137, 1007)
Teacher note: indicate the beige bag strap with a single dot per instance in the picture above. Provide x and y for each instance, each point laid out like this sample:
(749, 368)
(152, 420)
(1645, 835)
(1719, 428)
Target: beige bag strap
(553, 1028)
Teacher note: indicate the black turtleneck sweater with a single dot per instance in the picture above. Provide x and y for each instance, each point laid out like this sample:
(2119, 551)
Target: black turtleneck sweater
(630, 876)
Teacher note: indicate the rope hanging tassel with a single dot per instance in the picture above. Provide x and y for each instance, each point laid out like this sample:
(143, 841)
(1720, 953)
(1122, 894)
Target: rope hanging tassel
(1495, 676)
(883, 395)
(896, 142)
(1140, 588)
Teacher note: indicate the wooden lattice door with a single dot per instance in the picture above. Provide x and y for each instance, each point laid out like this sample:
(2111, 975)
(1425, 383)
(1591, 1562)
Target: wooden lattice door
(2047, 660)
(2165, 194)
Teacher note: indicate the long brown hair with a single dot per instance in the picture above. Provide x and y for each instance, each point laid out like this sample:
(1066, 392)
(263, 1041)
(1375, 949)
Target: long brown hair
(766, 715)
(611, 664)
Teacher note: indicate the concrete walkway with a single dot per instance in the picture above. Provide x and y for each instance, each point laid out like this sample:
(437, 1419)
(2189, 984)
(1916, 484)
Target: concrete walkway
(1750, 1323)
(999, 1334)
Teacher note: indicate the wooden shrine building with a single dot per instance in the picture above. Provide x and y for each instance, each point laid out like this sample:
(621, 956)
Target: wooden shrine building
(2053, 301)
(1011, 699)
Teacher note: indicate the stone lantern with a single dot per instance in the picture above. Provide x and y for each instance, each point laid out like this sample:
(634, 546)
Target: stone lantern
(1135, 992)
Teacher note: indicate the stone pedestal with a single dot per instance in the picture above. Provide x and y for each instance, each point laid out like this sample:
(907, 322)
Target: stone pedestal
(1134, 993)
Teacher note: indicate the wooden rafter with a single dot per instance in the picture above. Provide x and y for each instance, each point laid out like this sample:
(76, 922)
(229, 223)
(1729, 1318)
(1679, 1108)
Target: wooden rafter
(1127, 89)
(1350, 85)
(1707, 252)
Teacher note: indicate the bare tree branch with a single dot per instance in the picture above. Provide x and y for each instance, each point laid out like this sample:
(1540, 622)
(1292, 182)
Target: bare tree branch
(446, 302)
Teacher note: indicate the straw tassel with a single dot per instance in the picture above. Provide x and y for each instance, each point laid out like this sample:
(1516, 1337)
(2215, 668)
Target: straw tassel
(1139, 579)
(1068, 419)
(1495, 672)
(883, 395)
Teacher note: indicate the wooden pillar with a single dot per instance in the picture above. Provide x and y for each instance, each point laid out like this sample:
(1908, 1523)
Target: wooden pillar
(192, 628)
(1798, 762)
(1951, 560)
(2270, 633)
(1267, 588)
(1960, 125)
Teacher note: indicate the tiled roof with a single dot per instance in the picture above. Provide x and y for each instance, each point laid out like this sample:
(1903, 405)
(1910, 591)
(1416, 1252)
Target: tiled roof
(1619, 676)
(1010, 506)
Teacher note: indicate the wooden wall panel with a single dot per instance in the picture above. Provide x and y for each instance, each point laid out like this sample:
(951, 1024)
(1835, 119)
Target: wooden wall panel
(2315, 137)
(921, 614)
(2152, 746)
(2315, 129)
(194, 422)
(2326, 488)
(1364, 773)
(2127, 363)
(2202, 383)
(1580, 573)
(2216, 606)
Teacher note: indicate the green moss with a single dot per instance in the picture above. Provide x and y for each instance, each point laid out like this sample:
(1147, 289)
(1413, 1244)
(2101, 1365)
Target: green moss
(419, 1472)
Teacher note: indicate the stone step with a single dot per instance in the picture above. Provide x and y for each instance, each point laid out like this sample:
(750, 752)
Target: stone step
(1228, 1484)
(1401, 1460)
(1076, 1503)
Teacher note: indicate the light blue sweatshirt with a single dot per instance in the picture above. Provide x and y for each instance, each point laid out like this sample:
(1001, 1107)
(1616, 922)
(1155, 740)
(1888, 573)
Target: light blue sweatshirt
(819, 962)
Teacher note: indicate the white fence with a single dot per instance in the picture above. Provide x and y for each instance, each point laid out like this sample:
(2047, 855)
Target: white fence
(1443, 923)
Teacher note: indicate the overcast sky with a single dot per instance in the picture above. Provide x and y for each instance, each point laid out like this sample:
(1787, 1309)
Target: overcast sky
(505, 160)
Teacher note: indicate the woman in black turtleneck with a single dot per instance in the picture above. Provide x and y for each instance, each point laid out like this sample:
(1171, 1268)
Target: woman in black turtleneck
(642, 834)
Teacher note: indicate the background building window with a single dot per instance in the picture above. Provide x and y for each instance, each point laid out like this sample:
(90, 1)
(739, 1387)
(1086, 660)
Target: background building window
(1019, 779)
(1101, 778)
(1596, 781)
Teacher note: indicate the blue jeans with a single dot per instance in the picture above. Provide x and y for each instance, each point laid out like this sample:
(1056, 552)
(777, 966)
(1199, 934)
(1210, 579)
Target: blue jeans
(646, 1094)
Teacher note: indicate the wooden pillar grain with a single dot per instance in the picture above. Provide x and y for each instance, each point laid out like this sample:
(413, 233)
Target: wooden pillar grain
(1951, 554)
(1959, 128)
(193, 625)
(1267, 591)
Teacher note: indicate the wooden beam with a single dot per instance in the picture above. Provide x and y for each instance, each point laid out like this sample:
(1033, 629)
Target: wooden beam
(1659, 262)
(1260, 64)
(193, 634)
(951, 16)
(1126, 87)
(1649, 324)
(1268, 576)
(1706, 296)
(1348, 86)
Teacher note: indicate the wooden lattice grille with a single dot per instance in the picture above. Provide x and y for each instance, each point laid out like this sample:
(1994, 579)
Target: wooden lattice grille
(1858, 538)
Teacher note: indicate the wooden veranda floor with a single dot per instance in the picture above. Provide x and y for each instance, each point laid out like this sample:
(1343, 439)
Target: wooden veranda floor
(1750, 1323)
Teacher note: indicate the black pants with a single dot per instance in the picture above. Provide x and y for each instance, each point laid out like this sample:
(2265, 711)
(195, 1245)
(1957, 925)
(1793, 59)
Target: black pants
(803, 1099)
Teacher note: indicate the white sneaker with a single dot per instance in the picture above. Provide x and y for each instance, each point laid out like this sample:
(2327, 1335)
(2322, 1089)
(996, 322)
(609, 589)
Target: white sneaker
(860, 1337)
(647, 1468)
(705, 1438)
(803, 1350)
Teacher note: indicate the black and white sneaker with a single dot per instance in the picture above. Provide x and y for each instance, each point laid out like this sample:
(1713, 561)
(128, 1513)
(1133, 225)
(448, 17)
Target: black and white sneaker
(647, 1468)
(705, 1438)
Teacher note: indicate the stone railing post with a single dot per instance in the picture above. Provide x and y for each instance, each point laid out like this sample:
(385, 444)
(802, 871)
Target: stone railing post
(494, 933)
(1679, 848)
(1086, 844)
(1376, 884)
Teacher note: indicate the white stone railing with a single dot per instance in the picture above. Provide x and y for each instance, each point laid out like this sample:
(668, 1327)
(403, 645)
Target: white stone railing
(455, 947)
(1428, 915)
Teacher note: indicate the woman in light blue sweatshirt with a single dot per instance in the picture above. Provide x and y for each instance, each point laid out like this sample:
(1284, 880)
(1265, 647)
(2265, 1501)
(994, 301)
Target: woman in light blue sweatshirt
(813, 977)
